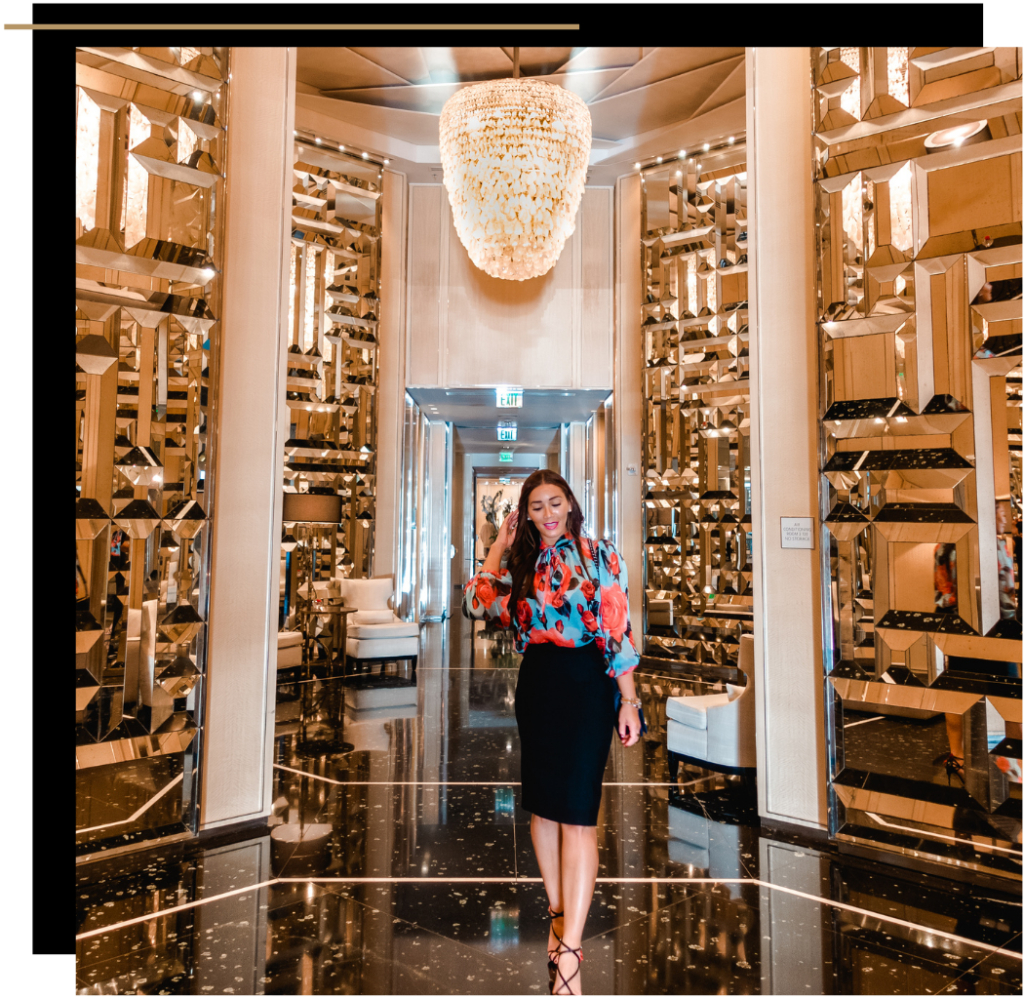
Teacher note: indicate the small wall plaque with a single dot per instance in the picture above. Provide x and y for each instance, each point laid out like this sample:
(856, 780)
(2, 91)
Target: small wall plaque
(797, 531)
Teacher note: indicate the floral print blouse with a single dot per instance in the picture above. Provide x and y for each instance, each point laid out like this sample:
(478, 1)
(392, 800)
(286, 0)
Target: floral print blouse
(574, 604)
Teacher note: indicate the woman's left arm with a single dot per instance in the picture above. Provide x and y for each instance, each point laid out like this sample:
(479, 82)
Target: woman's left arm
(629, 713)
(617, 633)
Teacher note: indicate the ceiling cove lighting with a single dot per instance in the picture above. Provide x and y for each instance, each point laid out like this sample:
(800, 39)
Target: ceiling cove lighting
(515, 155)
(508, 398)
(507, 430)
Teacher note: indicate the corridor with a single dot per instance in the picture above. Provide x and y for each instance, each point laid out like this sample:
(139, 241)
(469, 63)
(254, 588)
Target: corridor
(398, 861)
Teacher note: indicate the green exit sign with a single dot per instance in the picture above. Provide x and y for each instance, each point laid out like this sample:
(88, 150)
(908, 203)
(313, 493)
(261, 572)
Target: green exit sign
(509, 398)
(505, 456)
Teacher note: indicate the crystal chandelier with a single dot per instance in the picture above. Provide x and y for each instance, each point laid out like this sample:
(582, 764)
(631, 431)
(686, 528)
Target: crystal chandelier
(515, 155)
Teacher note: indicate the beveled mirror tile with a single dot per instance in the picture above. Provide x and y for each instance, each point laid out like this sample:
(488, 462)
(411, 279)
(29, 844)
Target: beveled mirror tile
(904, 248)
(145, 228)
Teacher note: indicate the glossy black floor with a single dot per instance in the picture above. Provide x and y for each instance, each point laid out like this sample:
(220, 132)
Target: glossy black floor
(398, 861)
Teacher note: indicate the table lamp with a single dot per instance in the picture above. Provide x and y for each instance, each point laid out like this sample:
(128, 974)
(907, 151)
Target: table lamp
(318, 507)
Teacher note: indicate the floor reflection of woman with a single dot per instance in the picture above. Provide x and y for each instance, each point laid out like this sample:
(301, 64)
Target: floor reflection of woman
(571, 623)
(946, 602)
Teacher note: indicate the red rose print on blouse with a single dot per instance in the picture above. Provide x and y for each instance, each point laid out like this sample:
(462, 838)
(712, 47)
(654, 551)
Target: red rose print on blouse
(578, 599)
(614, 611)
(485, 592)
(552, 636)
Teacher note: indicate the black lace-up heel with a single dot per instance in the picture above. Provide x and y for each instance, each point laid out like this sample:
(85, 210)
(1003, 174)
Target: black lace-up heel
(552, 966)
(566, 981)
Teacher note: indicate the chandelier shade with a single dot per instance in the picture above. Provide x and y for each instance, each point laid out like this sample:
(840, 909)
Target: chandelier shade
(515, 155)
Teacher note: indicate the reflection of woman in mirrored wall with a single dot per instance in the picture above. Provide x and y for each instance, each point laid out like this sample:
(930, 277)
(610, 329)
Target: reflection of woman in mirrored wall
(1009, 609)
(945, 602)
(1005, 290)
(945, 577)
(1008, 604)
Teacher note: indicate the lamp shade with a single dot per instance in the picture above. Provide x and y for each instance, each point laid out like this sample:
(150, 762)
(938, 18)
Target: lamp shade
(312, 507)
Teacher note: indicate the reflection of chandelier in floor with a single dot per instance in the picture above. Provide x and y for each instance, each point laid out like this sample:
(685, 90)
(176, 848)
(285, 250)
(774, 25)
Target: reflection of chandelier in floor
(515, 156)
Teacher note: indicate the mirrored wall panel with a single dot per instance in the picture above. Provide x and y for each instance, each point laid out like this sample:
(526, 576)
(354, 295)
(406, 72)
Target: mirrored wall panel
(149, 165)
(334, 309)
(697, 527)
(918, 187)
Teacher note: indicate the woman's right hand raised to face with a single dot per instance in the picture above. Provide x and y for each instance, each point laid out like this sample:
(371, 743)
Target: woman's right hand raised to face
(507, 531)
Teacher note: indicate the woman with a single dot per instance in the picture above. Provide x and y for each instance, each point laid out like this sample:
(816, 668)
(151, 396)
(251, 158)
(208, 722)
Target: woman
(567, 600)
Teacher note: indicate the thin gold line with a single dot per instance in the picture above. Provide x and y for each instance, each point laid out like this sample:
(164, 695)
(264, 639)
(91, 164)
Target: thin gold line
(440, 879)
(276, 27)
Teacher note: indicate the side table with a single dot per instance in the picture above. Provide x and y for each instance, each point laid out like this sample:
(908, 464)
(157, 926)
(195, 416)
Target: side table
(330, 698)
(337, 615)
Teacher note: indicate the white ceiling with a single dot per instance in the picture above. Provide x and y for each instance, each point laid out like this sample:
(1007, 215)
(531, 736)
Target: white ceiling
(643, 101)
(530, 440)
(474, 413)
(478, 406)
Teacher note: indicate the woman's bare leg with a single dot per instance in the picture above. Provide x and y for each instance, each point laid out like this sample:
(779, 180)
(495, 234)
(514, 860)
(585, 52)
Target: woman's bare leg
(579, 874)
(547, 845)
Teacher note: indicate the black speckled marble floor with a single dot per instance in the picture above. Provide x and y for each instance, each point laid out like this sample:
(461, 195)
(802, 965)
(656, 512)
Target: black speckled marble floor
(398, 861)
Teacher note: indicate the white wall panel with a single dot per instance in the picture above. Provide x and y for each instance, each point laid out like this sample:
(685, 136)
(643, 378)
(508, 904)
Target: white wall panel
(594, 231)
(508, 332)
(423, 319)
(791, 755)
(628, 397)
(244, 590)
(391, 398)
(468, 329)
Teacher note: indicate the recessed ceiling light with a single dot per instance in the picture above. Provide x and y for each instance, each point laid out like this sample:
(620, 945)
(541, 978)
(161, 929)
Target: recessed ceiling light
(659, 159)
(318, 142)
(637, 165)
(732, 139)
(366, 155)
(682, 154)
(706, 147)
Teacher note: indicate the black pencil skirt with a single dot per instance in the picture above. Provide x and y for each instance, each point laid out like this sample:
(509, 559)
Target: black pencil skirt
(565, 709)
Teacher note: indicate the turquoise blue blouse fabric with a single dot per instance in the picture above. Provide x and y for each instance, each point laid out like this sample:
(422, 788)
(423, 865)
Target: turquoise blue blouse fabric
(574, 603)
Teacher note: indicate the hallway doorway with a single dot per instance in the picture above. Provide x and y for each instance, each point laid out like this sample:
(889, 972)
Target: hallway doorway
(495, 496)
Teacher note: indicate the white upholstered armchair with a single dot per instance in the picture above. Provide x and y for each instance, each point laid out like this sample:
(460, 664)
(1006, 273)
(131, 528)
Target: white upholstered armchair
(375, 632)
(717, 730)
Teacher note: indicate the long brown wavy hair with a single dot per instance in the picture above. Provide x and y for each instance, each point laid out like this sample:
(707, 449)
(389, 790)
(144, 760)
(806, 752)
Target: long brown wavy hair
(522, 559)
